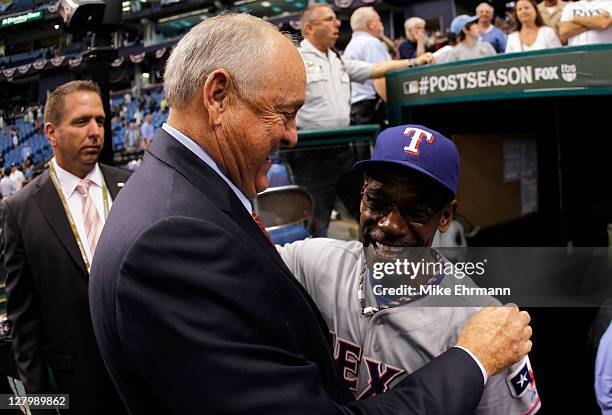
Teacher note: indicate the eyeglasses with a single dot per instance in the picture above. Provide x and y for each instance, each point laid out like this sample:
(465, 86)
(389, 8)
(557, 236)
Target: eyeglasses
(410, 213)
(325, 20)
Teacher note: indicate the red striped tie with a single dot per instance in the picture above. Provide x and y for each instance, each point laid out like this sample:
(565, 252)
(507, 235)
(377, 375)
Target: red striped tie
(91, 217)
(262, 227)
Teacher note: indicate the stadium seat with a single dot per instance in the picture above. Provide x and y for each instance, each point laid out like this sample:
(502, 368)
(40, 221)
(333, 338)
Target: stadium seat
(286, 211)
(280, 175)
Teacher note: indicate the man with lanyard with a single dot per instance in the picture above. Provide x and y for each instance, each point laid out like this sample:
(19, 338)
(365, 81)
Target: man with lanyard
(50, 231)
(328, 105)
(407, 195)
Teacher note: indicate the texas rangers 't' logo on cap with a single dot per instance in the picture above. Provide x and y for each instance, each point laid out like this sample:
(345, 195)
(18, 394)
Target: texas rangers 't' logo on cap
(418, 148)
(417, 135)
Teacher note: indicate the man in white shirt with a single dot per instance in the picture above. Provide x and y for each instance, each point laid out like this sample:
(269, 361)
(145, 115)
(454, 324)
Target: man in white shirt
(17, 176)
(367, 99)
(586, 22)
(7, 185)
(50, 230)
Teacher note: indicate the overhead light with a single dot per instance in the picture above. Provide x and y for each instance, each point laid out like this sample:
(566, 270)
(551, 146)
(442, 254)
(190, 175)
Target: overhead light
(56, 26)
(277, 9)
(145, 75)
(266, 4)
(183, 16)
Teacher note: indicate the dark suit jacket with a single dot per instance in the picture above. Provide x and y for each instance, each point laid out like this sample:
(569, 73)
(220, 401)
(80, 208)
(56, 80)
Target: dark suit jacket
(48, 301)
(195, 312)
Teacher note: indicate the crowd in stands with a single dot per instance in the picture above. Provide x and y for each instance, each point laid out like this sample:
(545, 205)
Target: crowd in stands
(22, 146)
(527, 26)
(135, 118)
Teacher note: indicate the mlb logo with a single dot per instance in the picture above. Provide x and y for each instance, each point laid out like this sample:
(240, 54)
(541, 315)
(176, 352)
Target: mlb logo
(411, 87)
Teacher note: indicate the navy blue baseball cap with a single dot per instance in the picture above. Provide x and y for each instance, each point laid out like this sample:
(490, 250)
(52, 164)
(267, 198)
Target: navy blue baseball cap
(418, 148)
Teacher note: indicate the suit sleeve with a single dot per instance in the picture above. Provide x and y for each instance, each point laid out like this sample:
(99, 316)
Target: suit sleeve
(203, 322)
(22, 308)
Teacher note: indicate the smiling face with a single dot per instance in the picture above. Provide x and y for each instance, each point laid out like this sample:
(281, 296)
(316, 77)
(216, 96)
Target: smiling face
(525, 12)
(485, 14)
(78, 137)
(400, 208)
(255, 129)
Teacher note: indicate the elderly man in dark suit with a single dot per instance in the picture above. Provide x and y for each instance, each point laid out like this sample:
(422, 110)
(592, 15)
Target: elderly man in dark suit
(50, 231)
(193, 308)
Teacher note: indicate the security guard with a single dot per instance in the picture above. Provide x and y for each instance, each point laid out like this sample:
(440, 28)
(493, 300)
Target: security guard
(328, 90)
(328, 105)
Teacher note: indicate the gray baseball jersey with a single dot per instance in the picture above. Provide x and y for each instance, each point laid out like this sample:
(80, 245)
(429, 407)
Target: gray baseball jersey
(374, 352)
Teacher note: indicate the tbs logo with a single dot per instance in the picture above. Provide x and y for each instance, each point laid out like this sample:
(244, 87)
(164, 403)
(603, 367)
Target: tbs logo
(568, 72)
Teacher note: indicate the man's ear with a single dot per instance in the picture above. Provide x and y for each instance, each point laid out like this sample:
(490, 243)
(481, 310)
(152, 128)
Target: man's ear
(50, 133)
(216, 94)
(448, 213)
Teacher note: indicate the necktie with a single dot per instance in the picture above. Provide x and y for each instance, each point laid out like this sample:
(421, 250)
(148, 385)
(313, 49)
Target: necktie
(262, 227)
(91, 217)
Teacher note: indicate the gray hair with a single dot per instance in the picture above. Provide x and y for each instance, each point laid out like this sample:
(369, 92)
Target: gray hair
(412, 23)
(307, 14)
(486, 4)
(238, 43)
(361, 17)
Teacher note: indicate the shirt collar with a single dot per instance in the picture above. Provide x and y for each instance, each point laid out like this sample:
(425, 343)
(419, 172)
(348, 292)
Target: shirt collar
(203, 155)
(309, 47)
(361, 33)
(68, 181)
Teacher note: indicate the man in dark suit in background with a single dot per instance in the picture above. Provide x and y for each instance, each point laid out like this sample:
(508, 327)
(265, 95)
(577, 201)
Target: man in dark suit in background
(50, 231)
(194, 310)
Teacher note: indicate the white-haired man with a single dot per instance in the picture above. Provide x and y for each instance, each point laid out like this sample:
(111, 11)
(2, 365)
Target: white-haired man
(488, 31)
(328, 105)
(414, 45)
(193, 308)
(367, 99)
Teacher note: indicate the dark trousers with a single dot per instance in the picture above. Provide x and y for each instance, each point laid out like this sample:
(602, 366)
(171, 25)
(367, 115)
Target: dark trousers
(369, 111)
(319, 169)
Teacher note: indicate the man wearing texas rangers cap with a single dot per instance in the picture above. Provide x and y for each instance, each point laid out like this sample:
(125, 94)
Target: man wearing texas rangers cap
(408, 194)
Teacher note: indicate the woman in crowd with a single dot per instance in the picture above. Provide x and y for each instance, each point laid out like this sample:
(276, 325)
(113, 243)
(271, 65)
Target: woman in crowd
(531, 33)
(468, 46)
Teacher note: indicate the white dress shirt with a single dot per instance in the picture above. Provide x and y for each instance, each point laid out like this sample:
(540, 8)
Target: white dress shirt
(68, 183)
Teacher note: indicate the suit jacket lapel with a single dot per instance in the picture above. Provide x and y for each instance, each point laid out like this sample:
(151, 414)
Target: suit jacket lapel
(52, 209)
(112, 180)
